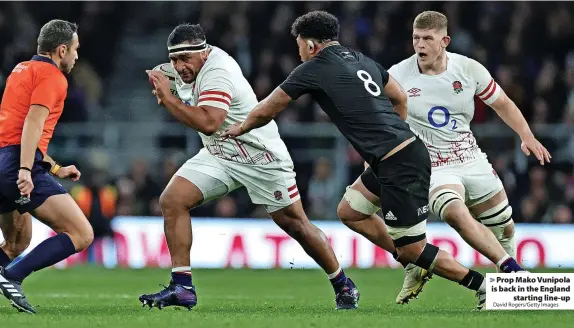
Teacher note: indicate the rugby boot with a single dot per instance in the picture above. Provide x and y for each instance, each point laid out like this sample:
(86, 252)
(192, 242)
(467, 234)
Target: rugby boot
(172, 295)
(415, 279)
(12, 290)
(347, 297)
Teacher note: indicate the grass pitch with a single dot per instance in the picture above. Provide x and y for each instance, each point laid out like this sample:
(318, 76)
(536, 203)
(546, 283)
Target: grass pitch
(96, 297)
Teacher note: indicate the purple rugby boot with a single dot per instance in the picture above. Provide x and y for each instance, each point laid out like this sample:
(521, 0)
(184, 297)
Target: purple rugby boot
(172, 295)
(347, 297)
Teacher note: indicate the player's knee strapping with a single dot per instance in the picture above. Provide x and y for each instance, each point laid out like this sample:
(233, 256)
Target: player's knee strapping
(497, 219)
(441, 199)
(359, 203)
(428, 257)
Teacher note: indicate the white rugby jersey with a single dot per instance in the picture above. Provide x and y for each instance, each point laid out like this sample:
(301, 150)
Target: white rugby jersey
(440, 107)
(220, 83)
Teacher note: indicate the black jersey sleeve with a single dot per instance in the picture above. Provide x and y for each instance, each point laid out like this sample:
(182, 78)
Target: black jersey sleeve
(302, 80)
(384, 74)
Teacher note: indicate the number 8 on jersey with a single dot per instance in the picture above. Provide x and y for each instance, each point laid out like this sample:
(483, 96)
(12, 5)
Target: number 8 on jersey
(369, 83)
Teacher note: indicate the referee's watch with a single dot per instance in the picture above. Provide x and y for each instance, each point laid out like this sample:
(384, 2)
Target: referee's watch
(55, 168)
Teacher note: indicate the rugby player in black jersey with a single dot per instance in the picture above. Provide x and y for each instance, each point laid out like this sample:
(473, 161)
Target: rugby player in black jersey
(368, 106)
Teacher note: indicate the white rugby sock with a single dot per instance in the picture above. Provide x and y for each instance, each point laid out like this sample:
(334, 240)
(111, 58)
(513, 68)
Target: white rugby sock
(502, 260)
(183, 269)
(335, 274)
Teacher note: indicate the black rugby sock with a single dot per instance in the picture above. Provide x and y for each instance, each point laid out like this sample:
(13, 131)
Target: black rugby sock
(473, 280)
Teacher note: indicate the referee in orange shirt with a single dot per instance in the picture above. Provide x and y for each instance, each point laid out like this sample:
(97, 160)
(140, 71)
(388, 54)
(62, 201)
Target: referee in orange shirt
(31, 106)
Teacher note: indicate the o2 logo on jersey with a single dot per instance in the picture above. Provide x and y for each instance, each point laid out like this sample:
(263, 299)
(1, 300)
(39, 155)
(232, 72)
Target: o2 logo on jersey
(368, 82)
(443, 121)
(187, 103)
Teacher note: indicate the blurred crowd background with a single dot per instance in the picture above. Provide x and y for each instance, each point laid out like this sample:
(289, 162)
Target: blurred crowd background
(128, 147)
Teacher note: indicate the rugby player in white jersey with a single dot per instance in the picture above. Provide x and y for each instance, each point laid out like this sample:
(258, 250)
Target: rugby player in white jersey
(212, 94)
(464, 188)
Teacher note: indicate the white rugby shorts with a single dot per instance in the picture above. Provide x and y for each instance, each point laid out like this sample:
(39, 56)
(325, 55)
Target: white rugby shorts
(477, 176)
(272, 185)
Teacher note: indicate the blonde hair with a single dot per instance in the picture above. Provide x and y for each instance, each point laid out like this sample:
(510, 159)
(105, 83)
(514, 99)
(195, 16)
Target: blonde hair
(430, 20)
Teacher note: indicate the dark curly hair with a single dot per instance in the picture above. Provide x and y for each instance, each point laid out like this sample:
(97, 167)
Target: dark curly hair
(186, 33)
(319, 25)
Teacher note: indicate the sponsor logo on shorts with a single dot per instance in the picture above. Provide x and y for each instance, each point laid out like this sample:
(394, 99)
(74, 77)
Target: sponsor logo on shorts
(422, 210)
(23, 200)
(390, 216)
(278, 195)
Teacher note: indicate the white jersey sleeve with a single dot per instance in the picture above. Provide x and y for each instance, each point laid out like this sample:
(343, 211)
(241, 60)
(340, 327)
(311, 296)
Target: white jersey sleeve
(393, 71)
(216, 89)
(220, 83)
(486, 88)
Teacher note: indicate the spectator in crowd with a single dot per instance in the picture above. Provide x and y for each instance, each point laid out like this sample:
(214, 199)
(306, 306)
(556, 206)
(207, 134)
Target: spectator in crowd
(138, 192)
(562, 215)
(97, 199)
(322, 194)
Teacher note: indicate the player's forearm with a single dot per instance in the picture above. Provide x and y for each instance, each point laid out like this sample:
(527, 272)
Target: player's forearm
(401, 109)
(513, 117)
(257, 118)
(266, 110)
(31, 134)
(195, 117)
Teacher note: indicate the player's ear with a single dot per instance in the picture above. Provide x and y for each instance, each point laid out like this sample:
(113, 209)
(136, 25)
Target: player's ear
(445, 41)
(310, 45)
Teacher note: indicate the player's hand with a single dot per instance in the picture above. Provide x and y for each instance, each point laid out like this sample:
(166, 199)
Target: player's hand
(233, 131)
(69, 172)
(153, 92)
(160, 83)
(531, 145)
(25, 183)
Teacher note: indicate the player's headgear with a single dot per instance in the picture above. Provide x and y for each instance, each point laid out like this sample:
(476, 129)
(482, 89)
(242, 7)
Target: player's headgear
(186, 38)
(55, 33)
(319, 25)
